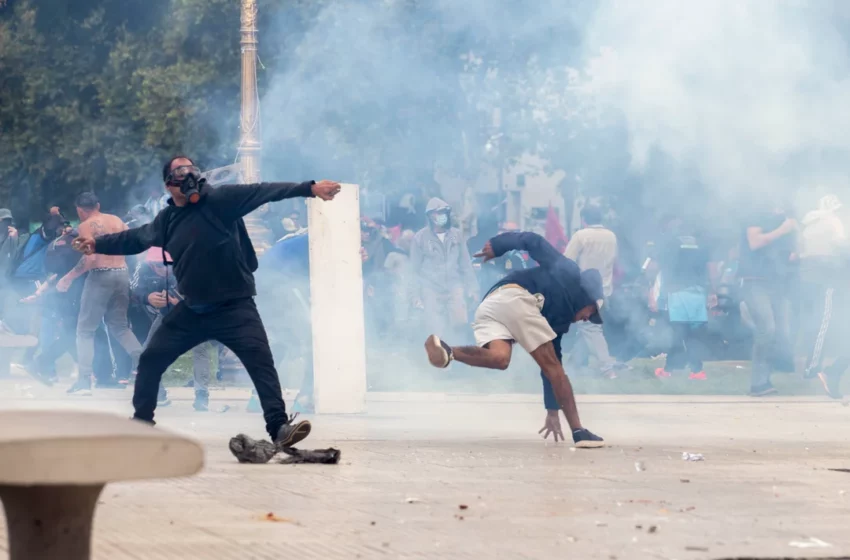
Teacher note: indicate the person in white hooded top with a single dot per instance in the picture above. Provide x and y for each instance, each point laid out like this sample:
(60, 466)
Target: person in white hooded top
(823, 252)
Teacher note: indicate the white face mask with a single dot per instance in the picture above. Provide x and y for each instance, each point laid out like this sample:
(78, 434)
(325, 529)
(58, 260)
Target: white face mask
(441, 219)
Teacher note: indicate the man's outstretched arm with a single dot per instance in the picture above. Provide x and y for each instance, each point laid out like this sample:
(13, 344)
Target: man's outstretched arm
(549, 399)
(536, 246)
(128, 242)
(548, 361)
(235, 201)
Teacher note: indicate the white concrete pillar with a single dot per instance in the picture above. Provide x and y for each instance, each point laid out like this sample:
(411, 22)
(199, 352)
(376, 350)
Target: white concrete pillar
(336, 293)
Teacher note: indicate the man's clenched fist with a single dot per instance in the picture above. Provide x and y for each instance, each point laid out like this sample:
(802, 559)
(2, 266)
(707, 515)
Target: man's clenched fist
(326, 190)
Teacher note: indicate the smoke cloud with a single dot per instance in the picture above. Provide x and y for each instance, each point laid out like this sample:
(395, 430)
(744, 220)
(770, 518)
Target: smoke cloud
(749, 97)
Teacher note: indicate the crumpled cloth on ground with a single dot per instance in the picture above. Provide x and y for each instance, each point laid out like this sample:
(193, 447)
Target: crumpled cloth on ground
(249, 450)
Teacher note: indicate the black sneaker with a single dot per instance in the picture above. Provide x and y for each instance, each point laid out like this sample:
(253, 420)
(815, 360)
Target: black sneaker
(439, 353)
(292, 432)
(586, 439)
(254, 403)
(763, 390)
(80, 388)
(831, 382)
(202, 401)
(162, 397)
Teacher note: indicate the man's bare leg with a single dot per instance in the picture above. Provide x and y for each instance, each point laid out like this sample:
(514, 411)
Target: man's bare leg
(554, 371)
(495, 355)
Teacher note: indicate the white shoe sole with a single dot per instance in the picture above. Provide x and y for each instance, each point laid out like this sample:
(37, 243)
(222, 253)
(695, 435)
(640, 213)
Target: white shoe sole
(587, 444)
(437, 355)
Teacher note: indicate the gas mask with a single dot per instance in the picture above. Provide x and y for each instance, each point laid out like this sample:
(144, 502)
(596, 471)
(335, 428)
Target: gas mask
(188, 178)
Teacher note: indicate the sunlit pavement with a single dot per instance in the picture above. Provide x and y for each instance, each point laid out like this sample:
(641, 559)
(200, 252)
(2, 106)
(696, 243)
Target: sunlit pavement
(454, 476)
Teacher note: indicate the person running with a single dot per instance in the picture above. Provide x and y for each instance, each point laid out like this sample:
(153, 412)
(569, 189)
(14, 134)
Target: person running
(534, 308)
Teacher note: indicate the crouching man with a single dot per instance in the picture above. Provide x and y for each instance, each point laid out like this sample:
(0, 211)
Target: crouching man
(534, 308)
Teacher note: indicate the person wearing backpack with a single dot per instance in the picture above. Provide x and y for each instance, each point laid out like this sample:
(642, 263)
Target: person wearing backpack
(213, 260)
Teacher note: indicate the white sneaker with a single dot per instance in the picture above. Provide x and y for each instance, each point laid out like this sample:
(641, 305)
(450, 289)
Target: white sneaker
(439, 353)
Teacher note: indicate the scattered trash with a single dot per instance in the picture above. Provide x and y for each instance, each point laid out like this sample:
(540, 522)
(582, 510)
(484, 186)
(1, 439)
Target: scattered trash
(839, 470)
(696, 549)
(601, 524)
(223, 408)
(572, 449)
(571, 539)
(275, 519)
(413, 501)
(652, 529)
(640, 466)
(372, 523)
(739, 367)
(692, 456)
(249, 450)
(459, 517)
(811, 542)
(639, 527)
(463, 506)
(684, 480)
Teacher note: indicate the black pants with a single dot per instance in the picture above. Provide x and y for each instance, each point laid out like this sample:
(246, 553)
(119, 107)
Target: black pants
(237, 325)
(686, 349)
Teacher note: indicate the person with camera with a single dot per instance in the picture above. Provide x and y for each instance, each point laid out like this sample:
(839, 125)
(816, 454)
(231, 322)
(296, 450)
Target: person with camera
(213, 260)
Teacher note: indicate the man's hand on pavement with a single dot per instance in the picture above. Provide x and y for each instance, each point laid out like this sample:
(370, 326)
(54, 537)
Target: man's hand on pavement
(552, 426)
(84, 244)
(326, 190)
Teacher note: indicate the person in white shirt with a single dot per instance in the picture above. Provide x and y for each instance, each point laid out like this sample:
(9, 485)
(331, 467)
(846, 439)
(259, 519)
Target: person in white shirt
(595, 246)
(823, 244)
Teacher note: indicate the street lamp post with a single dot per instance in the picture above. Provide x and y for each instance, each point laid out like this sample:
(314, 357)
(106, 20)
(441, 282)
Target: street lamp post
(249, 123)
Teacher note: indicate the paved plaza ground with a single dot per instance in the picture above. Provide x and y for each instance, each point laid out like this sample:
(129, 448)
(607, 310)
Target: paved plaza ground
(455, 476)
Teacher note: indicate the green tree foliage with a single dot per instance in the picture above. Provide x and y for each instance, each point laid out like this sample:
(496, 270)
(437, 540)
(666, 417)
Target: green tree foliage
(95, 94)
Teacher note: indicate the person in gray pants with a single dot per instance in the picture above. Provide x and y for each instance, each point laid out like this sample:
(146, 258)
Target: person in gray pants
(106, 292)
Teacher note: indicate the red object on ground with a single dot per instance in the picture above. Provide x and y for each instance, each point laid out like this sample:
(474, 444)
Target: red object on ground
(554, 232)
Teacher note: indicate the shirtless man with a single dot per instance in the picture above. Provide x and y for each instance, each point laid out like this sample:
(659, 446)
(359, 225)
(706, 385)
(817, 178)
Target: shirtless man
(106, 293)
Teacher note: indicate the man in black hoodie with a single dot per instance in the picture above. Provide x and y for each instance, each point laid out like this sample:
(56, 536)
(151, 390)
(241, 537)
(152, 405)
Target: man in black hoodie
(534, 308)
(203, 231)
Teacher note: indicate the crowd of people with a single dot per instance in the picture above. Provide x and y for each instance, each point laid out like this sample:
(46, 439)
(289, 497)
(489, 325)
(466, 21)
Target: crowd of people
(420, 277)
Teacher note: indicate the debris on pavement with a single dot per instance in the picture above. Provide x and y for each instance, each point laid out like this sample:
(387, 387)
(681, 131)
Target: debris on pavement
(463, 506)
(811, 542)
(684, 480)
(413, 501)
(696, 549)
(270, 516)
(640, 466)
(652, 529)
(692, 456)
(249, 450)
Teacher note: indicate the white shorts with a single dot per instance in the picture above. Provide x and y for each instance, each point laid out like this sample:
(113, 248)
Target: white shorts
(512, 313)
